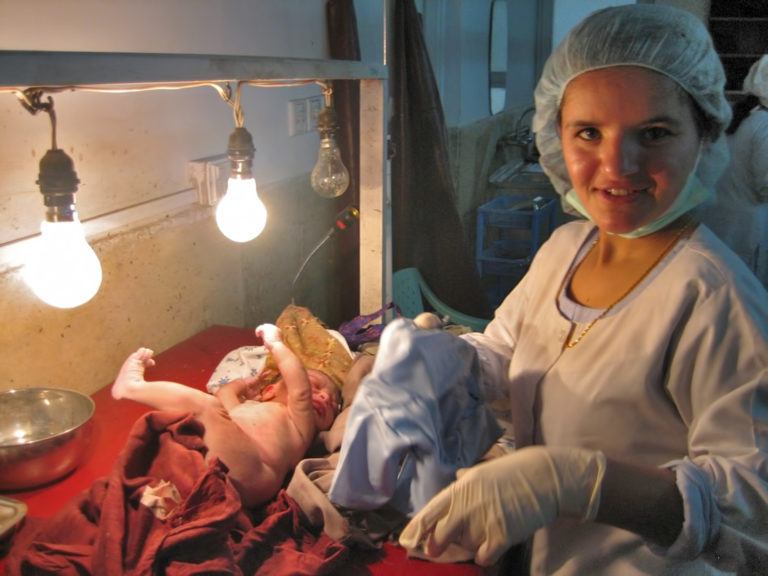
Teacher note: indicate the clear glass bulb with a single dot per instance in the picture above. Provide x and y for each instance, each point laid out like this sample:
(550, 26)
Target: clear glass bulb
(330, 177)
(240, 214)
(64, 271)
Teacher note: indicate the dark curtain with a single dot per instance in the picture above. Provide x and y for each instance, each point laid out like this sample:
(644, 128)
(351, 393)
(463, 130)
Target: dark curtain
(427, 229)
(344, 45)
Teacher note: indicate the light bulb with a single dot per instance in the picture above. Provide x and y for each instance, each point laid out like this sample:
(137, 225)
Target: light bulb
(240, 214)
(330, 178)
(65, 271)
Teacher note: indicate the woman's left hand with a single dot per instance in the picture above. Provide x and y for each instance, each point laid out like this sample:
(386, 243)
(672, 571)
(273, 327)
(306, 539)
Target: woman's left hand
(502, 502)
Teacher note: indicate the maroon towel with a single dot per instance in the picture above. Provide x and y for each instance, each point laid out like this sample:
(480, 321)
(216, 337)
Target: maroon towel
(105, 530)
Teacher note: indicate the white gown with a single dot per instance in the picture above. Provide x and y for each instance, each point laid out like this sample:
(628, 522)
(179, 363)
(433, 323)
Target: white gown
(739, 214)
(677, 376)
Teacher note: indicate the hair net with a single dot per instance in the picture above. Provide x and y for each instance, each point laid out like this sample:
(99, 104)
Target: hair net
(756, 81)
(668, 40)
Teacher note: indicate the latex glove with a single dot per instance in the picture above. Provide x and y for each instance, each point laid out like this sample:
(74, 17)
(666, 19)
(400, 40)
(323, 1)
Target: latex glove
(502, 502)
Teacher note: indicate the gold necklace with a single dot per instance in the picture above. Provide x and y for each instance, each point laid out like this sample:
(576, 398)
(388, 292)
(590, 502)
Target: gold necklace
(570, 343)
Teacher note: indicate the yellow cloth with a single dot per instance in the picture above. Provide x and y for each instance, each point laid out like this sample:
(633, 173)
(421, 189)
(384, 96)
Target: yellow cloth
(309, 339)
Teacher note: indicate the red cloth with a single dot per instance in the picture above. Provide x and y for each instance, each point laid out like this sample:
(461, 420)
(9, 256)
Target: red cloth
(56, 540)
(105, 530)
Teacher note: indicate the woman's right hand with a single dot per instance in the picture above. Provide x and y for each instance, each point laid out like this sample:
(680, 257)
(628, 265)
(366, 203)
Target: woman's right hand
(496, 504)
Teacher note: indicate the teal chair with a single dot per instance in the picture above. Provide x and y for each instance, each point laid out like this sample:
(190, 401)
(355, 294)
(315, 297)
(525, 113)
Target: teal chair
(410, 292)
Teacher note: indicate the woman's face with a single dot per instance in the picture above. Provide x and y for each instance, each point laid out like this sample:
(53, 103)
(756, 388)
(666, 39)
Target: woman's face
(630, 141)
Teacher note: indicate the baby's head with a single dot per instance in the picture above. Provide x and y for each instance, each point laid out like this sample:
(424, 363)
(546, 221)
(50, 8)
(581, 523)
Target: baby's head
(326, 396)
(326, 399)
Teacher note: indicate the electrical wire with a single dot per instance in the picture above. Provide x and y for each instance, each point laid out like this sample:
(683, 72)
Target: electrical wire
(30, 97)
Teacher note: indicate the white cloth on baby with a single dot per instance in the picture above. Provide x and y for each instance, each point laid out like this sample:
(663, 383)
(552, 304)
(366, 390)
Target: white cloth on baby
(239, 363)
(247, 361)
(417, 418)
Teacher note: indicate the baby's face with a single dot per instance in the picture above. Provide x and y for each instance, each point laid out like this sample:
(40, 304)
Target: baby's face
(325, 399)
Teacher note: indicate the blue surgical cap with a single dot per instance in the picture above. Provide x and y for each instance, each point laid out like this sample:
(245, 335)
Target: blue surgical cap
(665, 39)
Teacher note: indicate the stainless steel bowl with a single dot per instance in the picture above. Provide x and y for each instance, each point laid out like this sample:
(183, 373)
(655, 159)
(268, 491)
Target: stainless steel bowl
(44, 435)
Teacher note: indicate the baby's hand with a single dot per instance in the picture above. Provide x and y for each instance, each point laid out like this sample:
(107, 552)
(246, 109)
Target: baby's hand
(268, 334)
(260, 382)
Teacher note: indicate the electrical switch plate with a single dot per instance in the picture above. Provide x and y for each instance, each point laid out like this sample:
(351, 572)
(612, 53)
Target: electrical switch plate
(315, 106)
(298, 122)
(209, 176)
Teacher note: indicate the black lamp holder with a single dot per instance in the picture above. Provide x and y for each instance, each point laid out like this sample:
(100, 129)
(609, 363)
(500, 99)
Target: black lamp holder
(240, 151)
(57, 178)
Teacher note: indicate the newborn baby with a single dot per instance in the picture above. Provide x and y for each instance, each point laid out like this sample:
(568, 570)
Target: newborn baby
(259, 429)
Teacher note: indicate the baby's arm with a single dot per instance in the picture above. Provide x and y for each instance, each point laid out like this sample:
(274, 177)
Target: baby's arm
(295, 378)
(236, 391)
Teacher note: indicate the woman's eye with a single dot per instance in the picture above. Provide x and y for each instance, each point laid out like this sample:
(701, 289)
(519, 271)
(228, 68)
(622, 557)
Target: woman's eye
(654, 133)
(588, 134)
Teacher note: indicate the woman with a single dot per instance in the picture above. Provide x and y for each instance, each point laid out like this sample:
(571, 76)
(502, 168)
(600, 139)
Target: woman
(739, 214)
(635, 350)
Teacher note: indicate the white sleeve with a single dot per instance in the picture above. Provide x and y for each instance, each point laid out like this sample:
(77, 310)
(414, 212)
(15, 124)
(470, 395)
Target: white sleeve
(719, 382)
(494, 368)
(701, 515)
(759, 156)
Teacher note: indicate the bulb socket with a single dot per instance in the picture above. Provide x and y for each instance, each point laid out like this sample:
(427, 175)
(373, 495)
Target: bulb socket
(327, 122)
(58, 185)
(240, 151)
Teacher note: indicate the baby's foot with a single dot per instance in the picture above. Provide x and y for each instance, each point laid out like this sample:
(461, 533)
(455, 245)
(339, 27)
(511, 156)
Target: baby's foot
(268, 334)
(132, 372)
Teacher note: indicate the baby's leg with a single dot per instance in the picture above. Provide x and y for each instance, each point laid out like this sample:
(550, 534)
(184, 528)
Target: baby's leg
(161, 395)
(132, 371)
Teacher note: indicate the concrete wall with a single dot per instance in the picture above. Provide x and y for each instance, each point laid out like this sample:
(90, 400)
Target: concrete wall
(163, 282)
(170, 275)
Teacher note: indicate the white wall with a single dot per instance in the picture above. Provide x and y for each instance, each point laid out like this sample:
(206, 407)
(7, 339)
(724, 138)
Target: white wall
(457, 37)
(135, 147)
(568, 13)
(456, 33)
(163, 280)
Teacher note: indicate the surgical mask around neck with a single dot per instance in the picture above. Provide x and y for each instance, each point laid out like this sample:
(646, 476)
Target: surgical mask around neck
(692, 194)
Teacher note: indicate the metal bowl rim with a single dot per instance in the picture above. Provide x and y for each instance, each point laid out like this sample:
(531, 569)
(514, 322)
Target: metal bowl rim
(91, 409)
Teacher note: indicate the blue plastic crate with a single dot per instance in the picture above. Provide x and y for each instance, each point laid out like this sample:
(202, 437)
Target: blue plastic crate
(497, 287)
(512, 211)
(510, 229)
(505, 257)
(513, 219)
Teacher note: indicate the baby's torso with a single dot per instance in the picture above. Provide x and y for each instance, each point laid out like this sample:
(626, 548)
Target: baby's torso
(271, 427)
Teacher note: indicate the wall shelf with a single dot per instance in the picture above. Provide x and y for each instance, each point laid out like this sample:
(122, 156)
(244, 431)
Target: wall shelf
(22, 68)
